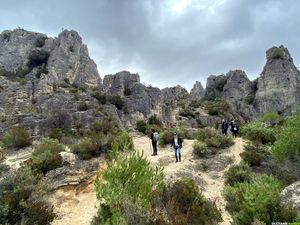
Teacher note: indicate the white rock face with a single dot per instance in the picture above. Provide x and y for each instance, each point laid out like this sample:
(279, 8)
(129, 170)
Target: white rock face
(291, 195)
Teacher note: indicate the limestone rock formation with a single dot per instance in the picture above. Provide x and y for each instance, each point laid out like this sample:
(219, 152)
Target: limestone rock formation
(291, 195)
(197, 91)
(279, 83)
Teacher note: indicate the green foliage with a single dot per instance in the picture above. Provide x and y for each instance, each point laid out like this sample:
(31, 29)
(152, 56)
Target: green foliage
(16, 137)
(101, 97)
(214, 139)
(199, 149)
(15, 203)
(271, 117)
(153, 120)
(40, 41)
(37, 58)
(195, 104)
(287, 145)
(141, 126)
(257, 200)
(187, 112)
(254, 155)
(277, 53)
(83, 106)
(87, 148)
(46, 155)
(237, 174)
(256, 133)
(128, 180)
(250, 99)
(182, 203)
(216, 107)
(210, 95)
(168, 134)
(3, 168)
(105, 126)
(122, 143)
(116, 101)
(17, 75)
(220, 83)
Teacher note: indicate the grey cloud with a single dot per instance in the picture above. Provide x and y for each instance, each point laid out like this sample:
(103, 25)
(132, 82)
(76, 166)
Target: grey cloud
(167, 49)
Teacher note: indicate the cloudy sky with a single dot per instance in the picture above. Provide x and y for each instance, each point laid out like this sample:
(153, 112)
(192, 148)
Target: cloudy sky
(168, 42)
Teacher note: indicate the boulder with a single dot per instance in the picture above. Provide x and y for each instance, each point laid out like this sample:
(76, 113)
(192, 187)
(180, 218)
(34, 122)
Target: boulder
(197, 91)
(291, 195)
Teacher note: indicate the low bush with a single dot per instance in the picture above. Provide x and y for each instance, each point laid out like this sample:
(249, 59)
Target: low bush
(141, 126)
(214, 139)
(277, 53)
(182, 203)
(257, 200)
(105, 126)
(40, 41)
(237, 174)
(3, 168)
(15, 204)
(187, 112)
(167, 135)
(116, 101)
(249, 99)
(101, 97)
(287, 145)
(254, 155)
(87, 148)
(83, 106)
(17, 75)
(271, 118)
(216, 107)
(199, 149)
(122, 143)
(256, 133)
(153, 120)
(46, 155)
(16, 137)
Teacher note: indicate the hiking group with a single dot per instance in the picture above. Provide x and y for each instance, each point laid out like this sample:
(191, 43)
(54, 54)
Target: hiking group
(233, 128)
(176, 144)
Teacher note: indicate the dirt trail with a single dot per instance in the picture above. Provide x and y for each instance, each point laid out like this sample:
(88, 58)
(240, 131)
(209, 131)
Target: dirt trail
(213, 182)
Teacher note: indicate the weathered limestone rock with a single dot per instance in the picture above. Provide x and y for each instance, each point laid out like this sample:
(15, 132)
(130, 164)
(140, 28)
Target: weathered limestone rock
(291, 195)
(279, 83)
(197, 91)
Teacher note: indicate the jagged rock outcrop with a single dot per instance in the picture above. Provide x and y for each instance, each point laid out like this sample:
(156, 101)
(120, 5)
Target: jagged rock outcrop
(279, 83)
(197, 91)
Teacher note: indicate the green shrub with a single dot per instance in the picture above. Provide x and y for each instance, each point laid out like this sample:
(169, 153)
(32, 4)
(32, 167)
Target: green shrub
(105, 126)
(40, 41)
(116, 101)
(277, 53)
(216, 107)
(270, 117)
(37, 58)
(83, 106)
(141, 126)
(15, 204)
(254, 155)
(46, 155)
(166, 137)
(195, 103)
(199, 149)
(214, 139)
(128, 179)
(16, 137)
(256, 133)
(3, 168)
(250, 99)
(257, 200)
(187, 112)
(237, 174)
(182, 203)
(122, 143)
(220, 83)
(101, 97)
(153, 120)
(87, 148)
(17, 75)
(287, 145)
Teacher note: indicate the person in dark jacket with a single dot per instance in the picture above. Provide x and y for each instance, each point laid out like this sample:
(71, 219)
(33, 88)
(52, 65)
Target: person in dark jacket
(154, 139)
(234, 128)
(224, 127)
(177, 146)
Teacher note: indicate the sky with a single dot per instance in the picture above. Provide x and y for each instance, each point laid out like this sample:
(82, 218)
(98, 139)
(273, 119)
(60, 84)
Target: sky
(168, 42)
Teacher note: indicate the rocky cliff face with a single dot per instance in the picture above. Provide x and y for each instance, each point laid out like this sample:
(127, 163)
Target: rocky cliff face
(279, 83)
(197, 91)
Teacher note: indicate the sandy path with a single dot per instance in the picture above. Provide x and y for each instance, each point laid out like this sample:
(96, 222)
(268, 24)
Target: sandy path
(214, 181)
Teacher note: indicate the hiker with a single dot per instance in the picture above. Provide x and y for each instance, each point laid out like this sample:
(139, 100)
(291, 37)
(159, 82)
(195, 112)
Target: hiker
(177, 146)
(234, 128)
(224, 127)
(154, 138)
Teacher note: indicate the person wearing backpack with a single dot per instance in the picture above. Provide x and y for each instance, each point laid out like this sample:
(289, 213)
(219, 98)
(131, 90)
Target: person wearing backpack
(154, 138)
(177, 146)
(224, 127)
(234, 129)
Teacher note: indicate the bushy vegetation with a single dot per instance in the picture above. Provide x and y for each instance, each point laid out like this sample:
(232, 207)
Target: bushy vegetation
(250, 99)
(141, 126)
(16, 137)
(254, 154)
(182, 203)
(187, 111)
(153, 120)
(123, 143)
(277, 53)
(213, 139)
(83, 106)
(271, 118)
(238, 174)
(216, 107)
(167, 135)
(101, 97)
(87, 148)
(46, 155)
(17, 75)
(199, 149)
(257, 133)
(105, 126)
(129, 181)
(152, 123)
(116, 101)
(257, 200)
(15, 202)
(40, 41)
(287, 145)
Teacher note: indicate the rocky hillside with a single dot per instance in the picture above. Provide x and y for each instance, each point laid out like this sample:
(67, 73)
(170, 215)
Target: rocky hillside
(46, 82)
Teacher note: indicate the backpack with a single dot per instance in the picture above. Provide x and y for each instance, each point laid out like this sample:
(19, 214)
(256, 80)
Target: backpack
(156, 136)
